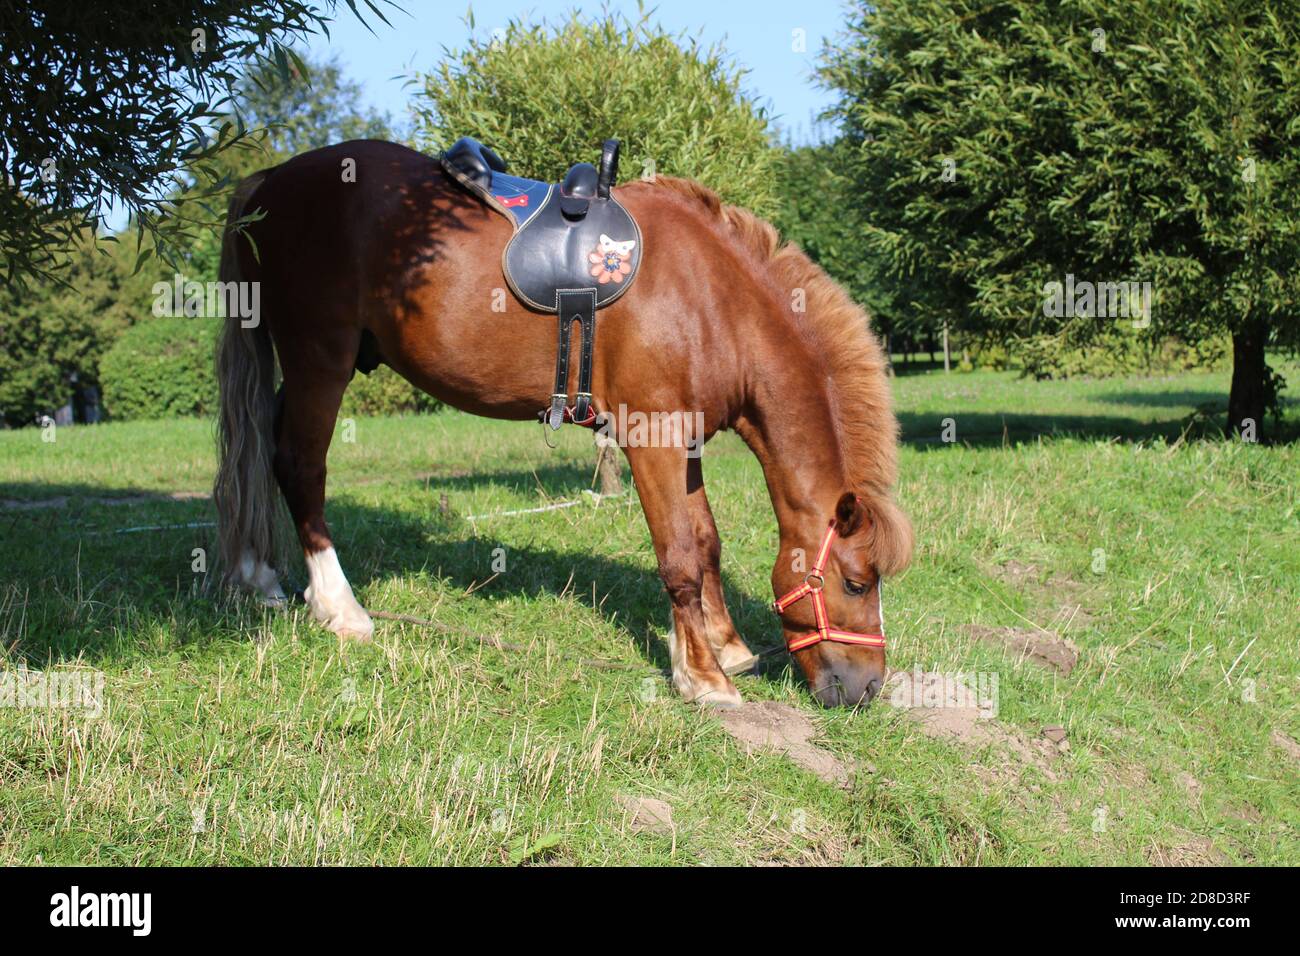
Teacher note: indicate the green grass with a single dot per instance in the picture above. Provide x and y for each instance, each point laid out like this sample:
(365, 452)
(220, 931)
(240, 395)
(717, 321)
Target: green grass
(430, 747)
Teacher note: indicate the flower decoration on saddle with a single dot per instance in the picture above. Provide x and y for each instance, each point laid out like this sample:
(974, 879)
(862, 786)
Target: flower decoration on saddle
(610, 260)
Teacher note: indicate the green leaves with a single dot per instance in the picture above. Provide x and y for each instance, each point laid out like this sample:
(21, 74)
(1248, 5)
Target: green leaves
(115, 105)
(546, 96)
(1158, 144)
(51, 333)
(162, 368)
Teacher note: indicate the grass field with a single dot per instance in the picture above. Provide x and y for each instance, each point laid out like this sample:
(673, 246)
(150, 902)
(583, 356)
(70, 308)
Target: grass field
(234, 735)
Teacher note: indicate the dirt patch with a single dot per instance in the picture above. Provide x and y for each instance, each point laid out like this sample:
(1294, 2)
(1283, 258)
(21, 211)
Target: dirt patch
(1244, 812)
(1193, 786)
(1129, 776)
(61, 501)
(1059, 590)
(1017, 573)
(1291, 748)
(942, 704)
(1064, 587)
(647, 815)
(769, 725)
(14, 504)
(945, 707)
(1056, 736)
(1043, 648)
(1196, 851)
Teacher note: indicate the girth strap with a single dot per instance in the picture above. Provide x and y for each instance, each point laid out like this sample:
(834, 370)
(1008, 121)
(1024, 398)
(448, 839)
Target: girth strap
(573, 305)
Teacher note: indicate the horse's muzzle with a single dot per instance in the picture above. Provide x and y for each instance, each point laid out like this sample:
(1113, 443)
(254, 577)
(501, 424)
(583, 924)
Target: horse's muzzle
(840, 692)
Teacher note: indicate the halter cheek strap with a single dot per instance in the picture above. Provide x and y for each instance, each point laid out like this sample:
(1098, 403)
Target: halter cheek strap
(824, 630)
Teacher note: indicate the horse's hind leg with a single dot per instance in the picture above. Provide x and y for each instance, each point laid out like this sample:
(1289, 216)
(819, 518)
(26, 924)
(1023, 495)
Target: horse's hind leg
(734, 655)
(662, 482)
(310, 407)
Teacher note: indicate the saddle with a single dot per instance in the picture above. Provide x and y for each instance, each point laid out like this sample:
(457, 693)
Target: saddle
(575, 250)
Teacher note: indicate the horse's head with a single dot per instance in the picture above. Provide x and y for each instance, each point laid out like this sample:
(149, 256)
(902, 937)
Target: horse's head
(831, 608)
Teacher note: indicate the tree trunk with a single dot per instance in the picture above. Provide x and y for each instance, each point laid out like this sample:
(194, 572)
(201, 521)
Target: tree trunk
(947, 358)
(1249, 396)
(611, 478)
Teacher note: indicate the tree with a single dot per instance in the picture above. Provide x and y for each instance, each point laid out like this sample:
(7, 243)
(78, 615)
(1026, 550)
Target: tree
(118, 103)
(547, 96)
(816, 209)
(1002, 147)
(54, 331)
(57, 333)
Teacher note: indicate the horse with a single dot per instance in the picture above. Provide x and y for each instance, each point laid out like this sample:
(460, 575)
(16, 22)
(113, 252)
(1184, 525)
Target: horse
(726, 323)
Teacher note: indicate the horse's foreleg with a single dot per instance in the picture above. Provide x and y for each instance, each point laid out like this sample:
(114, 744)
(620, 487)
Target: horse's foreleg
(733, 654)
(662, 482)
(302, 441)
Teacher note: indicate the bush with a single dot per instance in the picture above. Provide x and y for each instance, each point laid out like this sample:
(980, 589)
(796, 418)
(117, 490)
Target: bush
(50, 333)
(1119, 351)
(384, 392)
(545, 96)
(162, 368)
(991, 355)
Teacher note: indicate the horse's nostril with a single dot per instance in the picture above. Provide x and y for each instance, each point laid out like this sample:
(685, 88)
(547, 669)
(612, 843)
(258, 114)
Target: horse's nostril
(873, 688)
(830, 695)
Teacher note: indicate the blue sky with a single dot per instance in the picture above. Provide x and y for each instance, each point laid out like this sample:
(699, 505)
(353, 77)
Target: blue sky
(759, 34)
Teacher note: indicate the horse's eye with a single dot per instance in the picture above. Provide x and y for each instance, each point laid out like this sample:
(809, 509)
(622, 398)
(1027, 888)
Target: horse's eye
(854, 588)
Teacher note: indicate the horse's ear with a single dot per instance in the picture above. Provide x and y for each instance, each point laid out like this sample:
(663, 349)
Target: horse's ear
(848, 514)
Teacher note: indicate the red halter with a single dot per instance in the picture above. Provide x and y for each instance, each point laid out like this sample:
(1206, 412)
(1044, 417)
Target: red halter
(824, 630)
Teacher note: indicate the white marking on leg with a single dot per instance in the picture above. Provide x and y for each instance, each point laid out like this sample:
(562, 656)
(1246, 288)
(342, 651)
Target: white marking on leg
(734, 656)
(258, 577)
(331, 599)
(724, 696)
(681, 675)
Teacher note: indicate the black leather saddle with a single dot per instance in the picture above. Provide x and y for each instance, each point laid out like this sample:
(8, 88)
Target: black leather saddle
(575, 250)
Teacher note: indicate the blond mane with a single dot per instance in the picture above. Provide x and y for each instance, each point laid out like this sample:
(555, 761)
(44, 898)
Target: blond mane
(840, 331)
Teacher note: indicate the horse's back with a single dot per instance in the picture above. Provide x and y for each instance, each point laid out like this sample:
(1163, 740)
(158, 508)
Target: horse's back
(374, 236)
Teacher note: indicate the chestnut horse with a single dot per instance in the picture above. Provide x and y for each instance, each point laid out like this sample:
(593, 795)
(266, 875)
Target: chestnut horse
(723, 320)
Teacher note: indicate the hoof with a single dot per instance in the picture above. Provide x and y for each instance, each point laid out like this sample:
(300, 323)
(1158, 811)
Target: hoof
(352, 627)
(742, 666)
(722, 698)
(355, 634)
(331, 599)
(276, 601)
(257, 578)
(735, 658)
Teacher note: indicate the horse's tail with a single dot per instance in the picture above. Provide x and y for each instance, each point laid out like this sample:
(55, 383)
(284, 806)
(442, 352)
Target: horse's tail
(245, 492)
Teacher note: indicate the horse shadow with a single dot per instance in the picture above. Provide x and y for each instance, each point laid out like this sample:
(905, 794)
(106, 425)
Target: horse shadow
(80, 559)
(462, 550)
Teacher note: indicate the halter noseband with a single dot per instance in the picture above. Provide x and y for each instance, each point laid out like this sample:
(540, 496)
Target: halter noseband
(824, 630)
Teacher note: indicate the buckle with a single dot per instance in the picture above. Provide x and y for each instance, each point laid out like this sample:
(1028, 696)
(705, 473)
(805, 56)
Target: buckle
(582, 413)
(555, 418)
(821, 580)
